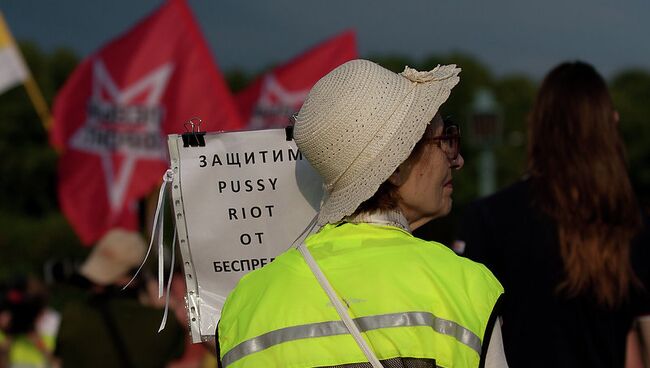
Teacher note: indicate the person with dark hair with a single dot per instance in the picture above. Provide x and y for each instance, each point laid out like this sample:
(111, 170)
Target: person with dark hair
(361, 290)
(115, 325)
(561, 239)
(22, 344)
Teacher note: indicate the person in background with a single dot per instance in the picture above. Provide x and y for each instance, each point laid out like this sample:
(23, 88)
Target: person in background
(22, 344)
(564, 240)
(386, 158)
(112, 327)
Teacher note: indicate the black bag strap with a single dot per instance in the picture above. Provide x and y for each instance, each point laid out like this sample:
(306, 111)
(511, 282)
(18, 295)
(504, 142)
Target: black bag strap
(217, 346)
(102, 305)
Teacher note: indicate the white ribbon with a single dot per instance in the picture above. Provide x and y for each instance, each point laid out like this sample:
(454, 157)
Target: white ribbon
(157, 232)
(169, 284)
(157, 225)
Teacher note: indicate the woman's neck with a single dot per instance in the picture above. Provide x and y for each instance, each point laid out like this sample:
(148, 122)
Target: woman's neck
(390, 217)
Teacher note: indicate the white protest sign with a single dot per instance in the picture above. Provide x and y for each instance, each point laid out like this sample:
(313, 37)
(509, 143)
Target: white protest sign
(238, 202)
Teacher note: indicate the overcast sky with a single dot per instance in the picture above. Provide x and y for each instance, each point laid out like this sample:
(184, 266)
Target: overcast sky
(508, 35)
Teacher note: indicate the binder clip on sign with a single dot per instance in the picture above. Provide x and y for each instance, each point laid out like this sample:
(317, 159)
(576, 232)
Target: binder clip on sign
(193, 137)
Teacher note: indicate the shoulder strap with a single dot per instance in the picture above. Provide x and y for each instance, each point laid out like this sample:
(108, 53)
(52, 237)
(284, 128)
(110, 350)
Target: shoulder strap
(340, 309)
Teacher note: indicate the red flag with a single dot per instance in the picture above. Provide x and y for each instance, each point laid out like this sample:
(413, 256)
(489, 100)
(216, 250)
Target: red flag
(272, 98)
(112, 116)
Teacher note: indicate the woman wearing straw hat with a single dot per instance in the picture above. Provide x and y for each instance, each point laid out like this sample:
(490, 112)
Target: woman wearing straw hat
(362, 291)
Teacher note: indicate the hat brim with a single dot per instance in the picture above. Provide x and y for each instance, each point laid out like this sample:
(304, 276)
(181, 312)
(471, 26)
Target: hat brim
(384, 154)
(103, 272)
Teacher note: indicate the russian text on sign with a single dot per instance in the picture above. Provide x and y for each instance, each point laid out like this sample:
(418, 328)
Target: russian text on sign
(250, 185)
(240, 265)
(253, 212)
(263, 156)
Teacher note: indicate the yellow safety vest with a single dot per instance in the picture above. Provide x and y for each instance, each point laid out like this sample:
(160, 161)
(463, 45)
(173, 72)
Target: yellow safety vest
(23, 353)
(409, 297)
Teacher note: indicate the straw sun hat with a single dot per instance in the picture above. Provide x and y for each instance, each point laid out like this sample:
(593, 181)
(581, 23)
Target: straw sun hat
(360, 122)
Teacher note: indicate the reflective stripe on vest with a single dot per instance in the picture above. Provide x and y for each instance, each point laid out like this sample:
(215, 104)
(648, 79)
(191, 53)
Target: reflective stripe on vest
(331, 328)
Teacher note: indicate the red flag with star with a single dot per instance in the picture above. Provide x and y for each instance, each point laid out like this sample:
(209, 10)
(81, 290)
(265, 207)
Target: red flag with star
(272, 98)
(112, 116)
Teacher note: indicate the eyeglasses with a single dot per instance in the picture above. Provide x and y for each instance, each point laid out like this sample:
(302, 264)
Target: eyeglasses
(449, 141)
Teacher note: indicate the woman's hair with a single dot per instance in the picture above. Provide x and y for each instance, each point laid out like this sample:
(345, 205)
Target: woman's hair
(579, 177)
(387, 197)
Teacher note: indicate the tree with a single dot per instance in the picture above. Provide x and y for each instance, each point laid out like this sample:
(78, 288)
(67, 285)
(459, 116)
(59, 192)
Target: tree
(515, 94)
(630, 91)
(32, 229)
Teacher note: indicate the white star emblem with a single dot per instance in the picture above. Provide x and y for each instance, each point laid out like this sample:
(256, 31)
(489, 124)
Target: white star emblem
(117, 125)
(275, 104)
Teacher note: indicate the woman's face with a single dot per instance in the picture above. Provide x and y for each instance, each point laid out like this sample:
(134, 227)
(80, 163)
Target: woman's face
(426, 192)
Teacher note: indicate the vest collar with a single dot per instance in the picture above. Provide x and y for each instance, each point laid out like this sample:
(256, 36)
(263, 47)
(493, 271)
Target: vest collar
(387, 218)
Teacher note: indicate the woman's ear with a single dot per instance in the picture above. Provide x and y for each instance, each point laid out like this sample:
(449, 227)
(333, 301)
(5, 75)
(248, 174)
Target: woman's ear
(398, 177)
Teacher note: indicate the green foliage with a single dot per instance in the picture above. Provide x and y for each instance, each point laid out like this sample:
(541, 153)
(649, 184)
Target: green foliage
(32, 229)
(27, 242)
(395, 63)
(630, 91)
(515, 95)
(237, 79)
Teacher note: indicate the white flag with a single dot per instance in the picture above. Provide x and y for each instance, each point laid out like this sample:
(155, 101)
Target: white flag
(13, 70)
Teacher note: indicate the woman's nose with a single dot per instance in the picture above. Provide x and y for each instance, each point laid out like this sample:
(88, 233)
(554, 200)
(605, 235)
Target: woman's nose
(458, 163)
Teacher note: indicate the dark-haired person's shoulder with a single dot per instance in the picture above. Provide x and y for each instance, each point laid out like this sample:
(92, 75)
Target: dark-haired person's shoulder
(513, 195)
(483, 220)
(500, 207)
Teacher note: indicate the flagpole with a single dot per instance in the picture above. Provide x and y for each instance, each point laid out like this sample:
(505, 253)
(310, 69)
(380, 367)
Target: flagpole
(38, 101)
(33, 91)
